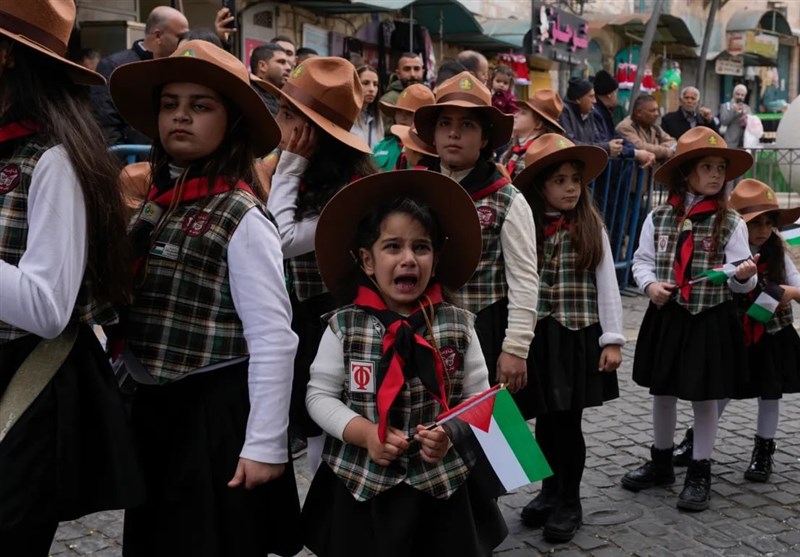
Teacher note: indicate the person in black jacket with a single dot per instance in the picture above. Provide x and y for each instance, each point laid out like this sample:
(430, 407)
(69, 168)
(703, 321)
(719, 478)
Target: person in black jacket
(576, 117)
(688, 115)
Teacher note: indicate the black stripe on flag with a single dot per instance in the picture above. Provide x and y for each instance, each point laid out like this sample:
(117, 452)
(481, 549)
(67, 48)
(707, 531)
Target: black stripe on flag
(483, 475)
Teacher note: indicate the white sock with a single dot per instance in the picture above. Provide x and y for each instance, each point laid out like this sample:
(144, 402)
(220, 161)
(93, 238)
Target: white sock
(768, 414)
(664, 416)
(705, 428)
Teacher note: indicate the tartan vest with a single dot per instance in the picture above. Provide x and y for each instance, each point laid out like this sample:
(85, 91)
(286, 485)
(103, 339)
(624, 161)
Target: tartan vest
(782, 318)
(488, 283)
(665, 235)
(362, 337)
(569, 295)
(304, 276)
(182, 317)
(16, 172)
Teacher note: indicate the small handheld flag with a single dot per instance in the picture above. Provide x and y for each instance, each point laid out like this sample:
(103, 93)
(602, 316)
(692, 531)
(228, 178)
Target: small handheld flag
(791, 234)
(719, 274)
(766, 303)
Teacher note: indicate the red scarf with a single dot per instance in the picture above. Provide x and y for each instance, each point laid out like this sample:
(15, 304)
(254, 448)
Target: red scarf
(16, 130)
(554, 224)
(517, 151)
(684, 248)
(406, 353)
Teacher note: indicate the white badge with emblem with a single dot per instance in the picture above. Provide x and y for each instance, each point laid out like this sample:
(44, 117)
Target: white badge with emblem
(663, 242)
(362, 377)
(151, 213)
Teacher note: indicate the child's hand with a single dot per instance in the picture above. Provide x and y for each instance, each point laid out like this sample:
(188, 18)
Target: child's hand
(434, 443)
(303, 141)
(747, 269)
(513, 371)
(790, 293)
(385, 453)
(610, 357)
(660, 292)
(253, 473)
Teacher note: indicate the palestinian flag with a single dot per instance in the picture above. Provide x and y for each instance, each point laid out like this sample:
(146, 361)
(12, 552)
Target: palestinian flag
(491, 436)
(791, 234)
(766, 303)
(719, 274)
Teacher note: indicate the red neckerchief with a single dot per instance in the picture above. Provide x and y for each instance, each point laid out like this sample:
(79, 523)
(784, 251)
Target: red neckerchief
(406, 353)
(195, 188)
(684, 248)
(517, 151)
(753, 329)
(15, 130)
(555, 223)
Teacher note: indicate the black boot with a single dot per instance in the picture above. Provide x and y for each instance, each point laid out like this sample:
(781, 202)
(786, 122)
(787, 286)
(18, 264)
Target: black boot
(697, 486)
(535, 513)
(657, 471)
(565, 520)
(760, 467)
(682, 454)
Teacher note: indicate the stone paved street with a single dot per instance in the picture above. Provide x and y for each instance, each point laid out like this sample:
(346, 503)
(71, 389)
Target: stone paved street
(744, 519)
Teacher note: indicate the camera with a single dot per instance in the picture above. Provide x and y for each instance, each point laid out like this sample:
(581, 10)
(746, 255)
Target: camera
(739, 101)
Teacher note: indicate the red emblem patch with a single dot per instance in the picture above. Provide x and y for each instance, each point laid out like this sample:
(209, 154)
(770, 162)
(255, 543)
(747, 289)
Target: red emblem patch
(361, 376)
(708, 244)
(9, 178)
(486, 216)
(196, 224)
(450, 358)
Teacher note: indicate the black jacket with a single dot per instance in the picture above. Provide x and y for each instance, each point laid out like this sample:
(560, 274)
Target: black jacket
(676, 124)
(116, 130)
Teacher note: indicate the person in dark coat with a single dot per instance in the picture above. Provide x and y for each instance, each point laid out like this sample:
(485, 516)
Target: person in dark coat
(576, 117)
(688, 115)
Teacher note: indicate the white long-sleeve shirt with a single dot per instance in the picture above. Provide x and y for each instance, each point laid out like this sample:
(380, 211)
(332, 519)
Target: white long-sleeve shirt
(297, 237)
(609, 302)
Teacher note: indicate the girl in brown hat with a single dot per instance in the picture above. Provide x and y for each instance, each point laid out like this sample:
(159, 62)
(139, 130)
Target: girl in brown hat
(466, 128)
(690, 343)
(389, 152)
(208, 334)
(390, 361)
(65, 445)
(577, 347)
(534, 117)
(320, 155)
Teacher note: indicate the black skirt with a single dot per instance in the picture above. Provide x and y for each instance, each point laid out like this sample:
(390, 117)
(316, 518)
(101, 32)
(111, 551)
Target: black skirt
(774, 365)
(71, 453)
(692, 357)
(400, 522)
(190, 433)
(490, 324)
(562, 371)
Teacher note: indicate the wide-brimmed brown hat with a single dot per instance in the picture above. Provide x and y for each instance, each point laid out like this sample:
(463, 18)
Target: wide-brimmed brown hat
(700, 142)
(550, 149)
(752, 198)
(45, 26)
(133, 87)
(547, 104)
(450, 203)
(410, 99)
(409, 137)
(465, 91)
(327, 90)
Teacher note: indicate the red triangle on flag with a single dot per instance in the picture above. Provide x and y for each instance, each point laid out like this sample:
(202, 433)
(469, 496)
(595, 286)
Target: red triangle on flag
(476, 411)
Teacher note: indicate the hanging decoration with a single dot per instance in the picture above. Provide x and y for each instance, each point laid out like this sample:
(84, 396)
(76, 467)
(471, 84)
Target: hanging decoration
(519, 64)
(626, 75)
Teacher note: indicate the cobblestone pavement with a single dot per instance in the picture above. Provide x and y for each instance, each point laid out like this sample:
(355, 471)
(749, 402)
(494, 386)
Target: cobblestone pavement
(744, 519)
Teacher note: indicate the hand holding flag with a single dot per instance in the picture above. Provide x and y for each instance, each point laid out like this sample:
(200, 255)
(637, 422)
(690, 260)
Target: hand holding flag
(721, 273)
(766, 304)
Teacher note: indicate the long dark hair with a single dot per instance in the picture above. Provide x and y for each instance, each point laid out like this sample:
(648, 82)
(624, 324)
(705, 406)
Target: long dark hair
(586, 229)
(679, 184)
(372, 108)
(773, 253)
(37, 89)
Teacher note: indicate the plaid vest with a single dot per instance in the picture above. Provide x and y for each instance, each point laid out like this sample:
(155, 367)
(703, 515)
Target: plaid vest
(665, 235)
(782, 318)
(304, 276)
(182, 317)
(16, 172)
(488, 284)
(362, 337)
(567, 294)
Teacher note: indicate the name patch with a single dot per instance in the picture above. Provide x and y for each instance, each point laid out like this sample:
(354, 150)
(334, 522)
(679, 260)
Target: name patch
(663, 242)
(167, 251)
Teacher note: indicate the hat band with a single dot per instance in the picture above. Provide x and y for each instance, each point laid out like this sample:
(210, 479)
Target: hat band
(759, 208)
(321, 108)
(21, 27)
(460, 97)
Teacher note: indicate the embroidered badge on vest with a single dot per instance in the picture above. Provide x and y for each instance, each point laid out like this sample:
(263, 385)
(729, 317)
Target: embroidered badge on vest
(708, 244)
(450, 359)
(486, 216)
(196, 224)
(362, 377)
(9, 178)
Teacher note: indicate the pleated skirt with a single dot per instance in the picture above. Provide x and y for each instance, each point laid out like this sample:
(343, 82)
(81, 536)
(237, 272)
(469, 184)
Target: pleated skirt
(774, 363)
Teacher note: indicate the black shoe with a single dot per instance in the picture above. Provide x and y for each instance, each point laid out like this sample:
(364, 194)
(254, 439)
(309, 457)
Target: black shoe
(565, 520)
(535, 513)
(697, 487)
(657, 471)
(761, 461)
(682, 454)
(298, 446)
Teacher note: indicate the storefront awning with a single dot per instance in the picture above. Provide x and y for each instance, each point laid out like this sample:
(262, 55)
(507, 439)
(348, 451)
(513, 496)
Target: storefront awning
(509, 31)
(351, 6)
(765, 20)
(671, 29)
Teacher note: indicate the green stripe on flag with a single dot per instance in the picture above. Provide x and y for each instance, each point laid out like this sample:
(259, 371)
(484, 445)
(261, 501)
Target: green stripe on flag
(760, 313)
(791, 234)
(519, 437)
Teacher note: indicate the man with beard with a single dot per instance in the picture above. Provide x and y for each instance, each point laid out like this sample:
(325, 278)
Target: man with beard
(409, 70)
(270, 63)
(688, 115)
(641, 129)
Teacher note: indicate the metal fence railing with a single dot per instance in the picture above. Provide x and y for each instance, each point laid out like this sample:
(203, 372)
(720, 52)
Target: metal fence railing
(130, 153)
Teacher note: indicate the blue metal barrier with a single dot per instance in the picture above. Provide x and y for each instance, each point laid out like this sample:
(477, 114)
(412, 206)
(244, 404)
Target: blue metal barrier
(130, 152)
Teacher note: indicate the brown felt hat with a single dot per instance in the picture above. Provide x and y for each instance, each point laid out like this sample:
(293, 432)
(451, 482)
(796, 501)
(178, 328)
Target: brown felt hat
(328, 91)
(134, 85)
(45, 26)
(464, 91)
(409, 138)
(752, 198)
(701, 142)
(412, 97)
(550, 149)
(547, 104)
(450, 203)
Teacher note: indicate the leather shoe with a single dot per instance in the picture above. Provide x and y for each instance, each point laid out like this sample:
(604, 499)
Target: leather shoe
(564, 522)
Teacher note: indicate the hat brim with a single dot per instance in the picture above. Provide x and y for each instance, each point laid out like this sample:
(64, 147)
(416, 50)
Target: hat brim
(541, 114)
(77, 73)
(502, 124)
(329, 127)
(785, 216)
(594, 159)
(451, 205)
(389, 109)
(739, 162)
(133, 86)
(412, 141)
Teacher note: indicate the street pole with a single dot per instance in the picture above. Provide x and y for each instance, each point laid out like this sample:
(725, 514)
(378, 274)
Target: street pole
(701, 79)
(644, 53)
